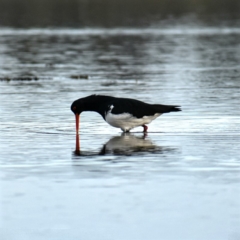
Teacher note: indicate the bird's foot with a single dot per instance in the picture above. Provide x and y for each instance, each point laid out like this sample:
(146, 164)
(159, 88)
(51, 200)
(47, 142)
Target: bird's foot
(125, 132)
(145, 128)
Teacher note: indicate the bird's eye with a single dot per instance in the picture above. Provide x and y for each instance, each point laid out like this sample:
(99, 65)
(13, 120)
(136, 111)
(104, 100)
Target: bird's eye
(74, 108)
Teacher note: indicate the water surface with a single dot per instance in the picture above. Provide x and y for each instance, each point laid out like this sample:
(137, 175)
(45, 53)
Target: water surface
(180, 181)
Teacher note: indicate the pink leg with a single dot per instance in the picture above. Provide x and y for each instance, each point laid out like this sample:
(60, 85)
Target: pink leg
(145, 128)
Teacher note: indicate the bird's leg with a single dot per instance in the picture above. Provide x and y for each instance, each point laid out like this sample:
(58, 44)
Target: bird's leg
(145, 128)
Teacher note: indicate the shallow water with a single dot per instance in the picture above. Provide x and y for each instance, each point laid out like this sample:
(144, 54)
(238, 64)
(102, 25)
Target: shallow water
(181, 181)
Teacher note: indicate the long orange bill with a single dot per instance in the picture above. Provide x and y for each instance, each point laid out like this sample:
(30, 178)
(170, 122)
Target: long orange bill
(77, 123)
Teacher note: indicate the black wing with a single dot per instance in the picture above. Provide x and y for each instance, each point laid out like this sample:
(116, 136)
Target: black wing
(137, 108)
(140, 109)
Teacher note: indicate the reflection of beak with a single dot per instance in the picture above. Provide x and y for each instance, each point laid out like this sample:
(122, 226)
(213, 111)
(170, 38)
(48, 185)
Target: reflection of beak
(77, 123)
(77, 150)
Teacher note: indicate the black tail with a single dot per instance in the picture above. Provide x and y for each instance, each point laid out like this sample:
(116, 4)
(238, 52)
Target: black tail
(166, 108)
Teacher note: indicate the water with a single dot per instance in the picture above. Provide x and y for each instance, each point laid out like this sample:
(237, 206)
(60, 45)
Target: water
(181, 181)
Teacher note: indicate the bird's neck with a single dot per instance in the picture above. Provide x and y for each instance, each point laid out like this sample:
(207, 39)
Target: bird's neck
(97, 104)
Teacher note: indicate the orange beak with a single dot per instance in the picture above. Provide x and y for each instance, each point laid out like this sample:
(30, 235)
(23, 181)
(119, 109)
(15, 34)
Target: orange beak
(77, 123)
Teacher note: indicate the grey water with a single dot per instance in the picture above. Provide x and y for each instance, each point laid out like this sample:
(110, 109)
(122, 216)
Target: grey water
(180, 181)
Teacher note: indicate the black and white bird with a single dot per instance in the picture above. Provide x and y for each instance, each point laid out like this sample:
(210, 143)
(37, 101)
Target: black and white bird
(124, 113)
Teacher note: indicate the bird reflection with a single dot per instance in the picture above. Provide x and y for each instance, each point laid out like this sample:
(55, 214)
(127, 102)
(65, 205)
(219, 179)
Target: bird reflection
(126, 144)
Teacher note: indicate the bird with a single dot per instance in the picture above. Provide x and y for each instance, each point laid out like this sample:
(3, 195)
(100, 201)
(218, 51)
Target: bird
(123, 113)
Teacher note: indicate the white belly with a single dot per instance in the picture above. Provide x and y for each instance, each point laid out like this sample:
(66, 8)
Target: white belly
(126, 121)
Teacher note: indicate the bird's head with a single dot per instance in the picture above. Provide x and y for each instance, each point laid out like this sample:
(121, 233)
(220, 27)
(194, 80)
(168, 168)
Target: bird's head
(84, 104)
(77, 107)
(90, 103)
(80, 105)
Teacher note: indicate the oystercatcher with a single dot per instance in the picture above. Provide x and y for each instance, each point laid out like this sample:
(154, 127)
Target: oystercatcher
(124, 113)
